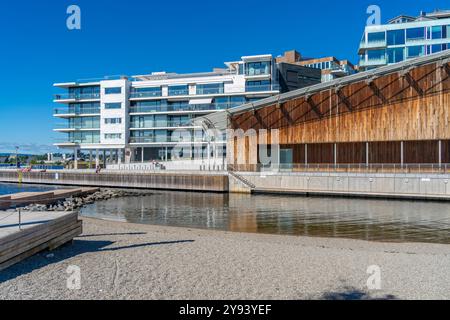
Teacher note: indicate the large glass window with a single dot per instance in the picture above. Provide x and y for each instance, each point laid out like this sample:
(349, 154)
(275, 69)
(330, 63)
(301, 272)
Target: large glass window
(84, 137)
(84, 108)
(376, 55)
(395, 55)
(415, 51)
(115, 90)
(376, 37)
(257, 68)
(146, 92)
(229, 102)
(84, 123)
(116, 105)
(148, 106)
(210, 88)
(252, 86)
(415, 34)
(88, 92)
(178, 90)
(436, 32)
(395, 37)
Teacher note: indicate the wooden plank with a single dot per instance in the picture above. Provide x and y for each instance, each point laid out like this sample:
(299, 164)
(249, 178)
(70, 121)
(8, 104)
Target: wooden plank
(22, 245)
(14, 236)
(39, 248)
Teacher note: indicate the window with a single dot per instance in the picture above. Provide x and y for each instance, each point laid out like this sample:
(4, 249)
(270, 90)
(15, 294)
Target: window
(415, 34)
(257, 68)
(376, 37)
(395, 37)
(113, 136)
(253, 86)
(436, 32)
(116, 90)
(210, 88)
(117, 105)
(395, 55)
(84, 137)
(84, 123)
(146, 92)
(178, 90)
(148, 106)
(88, 92)
(113, 120)
(84, 108)
(376, 54)
(415, 51)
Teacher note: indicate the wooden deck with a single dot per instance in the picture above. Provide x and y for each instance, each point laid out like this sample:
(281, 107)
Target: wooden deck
(38, 231)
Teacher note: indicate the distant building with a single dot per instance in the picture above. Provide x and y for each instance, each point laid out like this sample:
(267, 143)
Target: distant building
(331, 68)
(404, 37)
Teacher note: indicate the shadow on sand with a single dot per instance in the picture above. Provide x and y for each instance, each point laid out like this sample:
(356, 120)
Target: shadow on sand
(78, 247)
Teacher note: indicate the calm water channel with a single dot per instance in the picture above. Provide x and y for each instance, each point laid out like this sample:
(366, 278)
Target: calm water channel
(374, 220)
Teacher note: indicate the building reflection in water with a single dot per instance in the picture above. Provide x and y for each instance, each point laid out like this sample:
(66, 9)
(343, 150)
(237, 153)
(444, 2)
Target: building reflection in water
(374, 220)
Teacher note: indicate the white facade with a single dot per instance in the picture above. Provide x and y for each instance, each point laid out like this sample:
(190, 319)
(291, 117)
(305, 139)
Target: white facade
(144, 117)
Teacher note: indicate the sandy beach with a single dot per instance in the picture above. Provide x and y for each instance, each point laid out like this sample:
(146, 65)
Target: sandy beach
(127, 261)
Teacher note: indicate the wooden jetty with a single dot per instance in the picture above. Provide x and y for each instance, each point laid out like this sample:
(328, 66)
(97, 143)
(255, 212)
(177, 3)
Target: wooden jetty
(36, 232)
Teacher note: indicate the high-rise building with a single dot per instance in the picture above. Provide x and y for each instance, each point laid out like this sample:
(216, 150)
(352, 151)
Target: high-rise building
(404, 37)
(142, 118)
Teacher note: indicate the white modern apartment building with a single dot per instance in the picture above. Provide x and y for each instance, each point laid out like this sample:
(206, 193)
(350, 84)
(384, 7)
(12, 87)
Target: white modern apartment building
(142, 118)
(404, 37)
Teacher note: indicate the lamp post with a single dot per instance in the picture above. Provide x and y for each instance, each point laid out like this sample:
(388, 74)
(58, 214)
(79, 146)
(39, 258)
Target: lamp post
(17, 157)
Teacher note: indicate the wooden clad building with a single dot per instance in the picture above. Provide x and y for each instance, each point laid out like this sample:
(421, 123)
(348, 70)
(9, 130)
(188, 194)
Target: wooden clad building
(397, 114)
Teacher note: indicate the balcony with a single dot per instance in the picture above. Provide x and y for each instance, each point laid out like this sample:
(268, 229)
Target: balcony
(77, 97)
(178, 108)
(206, 91)
(76, 141)
(373, 44)
(144, 94)
(168, 139)
(373, 62)
(76, 111)
(77, 127)
(178, 92)
(263, 88)
(162, 124)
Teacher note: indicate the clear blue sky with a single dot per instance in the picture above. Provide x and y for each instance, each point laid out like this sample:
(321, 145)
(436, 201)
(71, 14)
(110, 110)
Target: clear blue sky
(141, 36)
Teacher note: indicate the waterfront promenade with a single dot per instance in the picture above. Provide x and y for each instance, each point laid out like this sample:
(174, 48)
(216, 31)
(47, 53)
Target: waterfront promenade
(403, 184)
(127, 261)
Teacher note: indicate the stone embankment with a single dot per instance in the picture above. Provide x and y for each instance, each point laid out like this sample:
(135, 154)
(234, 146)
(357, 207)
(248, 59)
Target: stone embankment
(74, 203)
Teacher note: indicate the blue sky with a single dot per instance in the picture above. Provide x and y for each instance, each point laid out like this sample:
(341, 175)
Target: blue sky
(137, 36)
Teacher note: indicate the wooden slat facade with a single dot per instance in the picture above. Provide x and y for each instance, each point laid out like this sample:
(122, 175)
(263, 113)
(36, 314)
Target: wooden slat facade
(410, 107)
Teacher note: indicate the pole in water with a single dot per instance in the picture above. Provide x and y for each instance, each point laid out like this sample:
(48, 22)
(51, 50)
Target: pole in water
(20, 219)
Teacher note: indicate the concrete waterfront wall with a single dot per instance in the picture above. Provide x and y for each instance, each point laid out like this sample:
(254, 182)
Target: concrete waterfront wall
(407, 186)
(165, 181)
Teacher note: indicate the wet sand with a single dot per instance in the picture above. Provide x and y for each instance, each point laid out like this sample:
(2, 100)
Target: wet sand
(128, 261)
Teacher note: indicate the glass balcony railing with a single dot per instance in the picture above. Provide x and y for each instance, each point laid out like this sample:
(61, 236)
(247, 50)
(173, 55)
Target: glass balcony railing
(76, 111)
(257, 72)
(178, 92)
(262, 88)
(168, 139)
(167, 124)
(86, 140)
(178, 108)
(205, 91)
(71, 126)
(78, 96)
(373, 62)
(145, 94)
